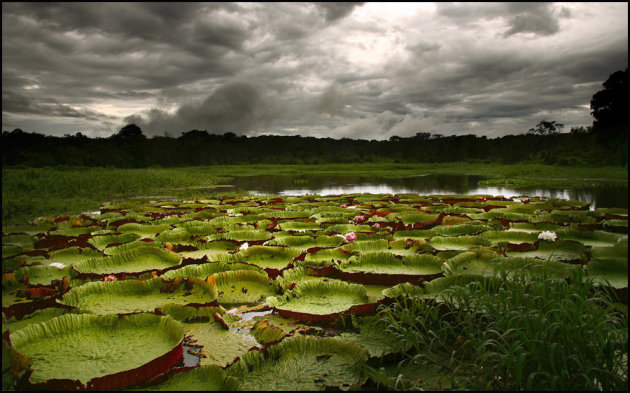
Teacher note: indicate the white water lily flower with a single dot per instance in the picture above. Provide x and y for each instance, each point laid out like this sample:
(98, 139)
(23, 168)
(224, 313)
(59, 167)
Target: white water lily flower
(57, 265)
(244, 246)
(548, 235)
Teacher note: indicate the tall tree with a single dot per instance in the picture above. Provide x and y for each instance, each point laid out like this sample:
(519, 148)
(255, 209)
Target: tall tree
(610, 105)
(546, 128)
(130, 131)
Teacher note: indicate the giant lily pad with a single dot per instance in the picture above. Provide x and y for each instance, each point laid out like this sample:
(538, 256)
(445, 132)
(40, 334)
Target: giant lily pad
(136, 296)
(70, 255)
(613, 272)
(242, 286)
(205, 378)
(102, 241)
(268, 256)
(386, 268)
(206, 269)
(218, 344)
(218, 250)
(138, 259)
(457, 243)
(107, 352)
(303, 363)
(470, 262)
(42, 274)
(319, 300)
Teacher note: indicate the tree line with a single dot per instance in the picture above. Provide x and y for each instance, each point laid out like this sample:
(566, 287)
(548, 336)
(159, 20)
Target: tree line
(202, 148)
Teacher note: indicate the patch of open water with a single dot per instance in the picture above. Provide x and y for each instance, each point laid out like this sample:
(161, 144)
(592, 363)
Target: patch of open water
(597, 196)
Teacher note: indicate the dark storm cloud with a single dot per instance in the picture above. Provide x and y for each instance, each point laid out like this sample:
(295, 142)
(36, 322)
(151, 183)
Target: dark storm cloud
(363, 70)
(334, 11)
(22, 104)
(235, 107)
(530, 17)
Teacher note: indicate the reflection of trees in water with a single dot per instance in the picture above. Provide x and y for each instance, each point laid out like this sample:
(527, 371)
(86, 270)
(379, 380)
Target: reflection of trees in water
(430, 184)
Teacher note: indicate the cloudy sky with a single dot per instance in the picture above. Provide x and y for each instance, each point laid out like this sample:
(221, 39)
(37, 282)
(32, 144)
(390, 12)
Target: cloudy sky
(355, 70)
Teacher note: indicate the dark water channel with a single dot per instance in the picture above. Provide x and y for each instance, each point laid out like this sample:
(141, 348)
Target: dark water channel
(600, 196)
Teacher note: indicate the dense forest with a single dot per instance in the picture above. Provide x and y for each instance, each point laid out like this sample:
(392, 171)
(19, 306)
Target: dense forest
(201, 148)
(603, 143)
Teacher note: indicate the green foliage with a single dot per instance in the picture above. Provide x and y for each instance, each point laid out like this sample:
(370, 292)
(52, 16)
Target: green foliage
(524, 331)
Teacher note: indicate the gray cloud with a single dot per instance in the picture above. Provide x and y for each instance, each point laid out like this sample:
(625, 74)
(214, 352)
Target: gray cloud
(367, 70)
(334, 10)
(332, 102)
(236, 107)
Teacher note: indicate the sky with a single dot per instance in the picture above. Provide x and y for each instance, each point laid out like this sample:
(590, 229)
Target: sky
(339, 70)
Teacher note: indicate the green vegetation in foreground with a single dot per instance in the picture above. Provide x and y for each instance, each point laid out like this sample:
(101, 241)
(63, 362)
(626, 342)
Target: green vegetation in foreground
(31, 192)
(512, 332)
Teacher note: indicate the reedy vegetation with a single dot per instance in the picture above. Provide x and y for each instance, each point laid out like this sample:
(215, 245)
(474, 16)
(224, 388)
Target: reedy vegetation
(517, 331)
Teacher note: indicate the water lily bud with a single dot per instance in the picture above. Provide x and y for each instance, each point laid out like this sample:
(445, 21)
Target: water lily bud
(350, 237)
(111, 277)
(359, 219)
(244, 246)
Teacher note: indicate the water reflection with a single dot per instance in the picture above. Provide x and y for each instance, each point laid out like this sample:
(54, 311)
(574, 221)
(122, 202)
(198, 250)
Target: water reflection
(605, 196)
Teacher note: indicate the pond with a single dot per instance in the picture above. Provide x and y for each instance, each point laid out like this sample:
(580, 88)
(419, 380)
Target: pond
(600, 196)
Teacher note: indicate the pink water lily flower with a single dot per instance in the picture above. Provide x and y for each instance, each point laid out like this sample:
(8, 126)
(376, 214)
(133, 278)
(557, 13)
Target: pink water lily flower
(343, 206)
(350, 237)
(111, 277)
(359, 219)
(376, 226)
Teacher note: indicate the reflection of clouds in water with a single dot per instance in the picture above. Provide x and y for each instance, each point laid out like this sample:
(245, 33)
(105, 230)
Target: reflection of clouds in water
(388, 189)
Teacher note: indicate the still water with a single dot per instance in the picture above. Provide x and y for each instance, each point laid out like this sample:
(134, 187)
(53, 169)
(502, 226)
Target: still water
(604, 196)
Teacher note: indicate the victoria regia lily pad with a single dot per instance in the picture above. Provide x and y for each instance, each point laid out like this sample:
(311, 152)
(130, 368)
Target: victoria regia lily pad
(318, 300)
(268, 256)
(204, 378)
(219, 344)
(138, 259)
(106, 352)
(137, 296)
(303, 363)
(242, 286)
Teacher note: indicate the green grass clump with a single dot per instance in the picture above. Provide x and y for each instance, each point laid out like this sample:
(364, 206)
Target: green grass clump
(525, 331)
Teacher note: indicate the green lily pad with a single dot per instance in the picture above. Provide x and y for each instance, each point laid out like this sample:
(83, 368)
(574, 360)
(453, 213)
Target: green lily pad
(458, 243)
(91, 346)
(35, 317)
(387, 263)
(126, 247)
(560, 250)
(206, 269)
(478, 263)
(403, 289)
(274, 257)
(303, 363)
(317, 297)
(72, 255)
(138, 259)
(242, 286)
(43, 274)
(220, 345)
(206, 378)
(136, 296)
(373, 336)
(251, 235)
(613, 272)
(102, 241)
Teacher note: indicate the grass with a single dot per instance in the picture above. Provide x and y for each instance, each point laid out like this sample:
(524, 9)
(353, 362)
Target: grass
(517, 331)
(31, 192)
